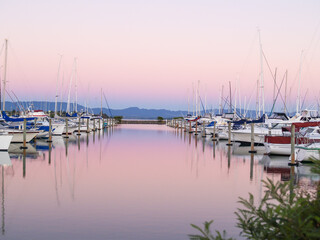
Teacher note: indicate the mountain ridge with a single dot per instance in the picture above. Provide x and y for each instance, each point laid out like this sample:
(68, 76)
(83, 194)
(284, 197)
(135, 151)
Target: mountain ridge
(127, 113)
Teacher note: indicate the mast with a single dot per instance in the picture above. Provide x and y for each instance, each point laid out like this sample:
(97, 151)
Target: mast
(261, 76)
(285, 93)
(205, 100)
(101, 102)
(245, 106)
(274, 85)
(220, 103)
(240, 103)
(5, 75)
(87, 112)
(56, 100)
(188, 101)
(61, 93)
(75, 77)
(197, 102)
(258, 101)
(68, 103)
(193, 99)
(235, 95)
(222, 99)
(199, 108)
(230, 104)
(299, 86)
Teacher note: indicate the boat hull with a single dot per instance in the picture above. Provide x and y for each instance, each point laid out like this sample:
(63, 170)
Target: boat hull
(245, 137)
(5, 141)
(278, 149)
(308, 154)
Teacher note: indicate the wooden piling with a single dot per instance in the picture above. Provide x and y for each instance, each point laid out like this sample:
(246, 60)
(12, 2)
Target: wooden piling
(214, 131)
(67, 133)
(88, 125)
(24, 164)
(79, 124)
(251, 165)
(229, 134)
(50, 150)
(252, 139)
(229, 156)
(50, 131)
(196, 133)
(24, 134)
(293, 157)
(203, 130)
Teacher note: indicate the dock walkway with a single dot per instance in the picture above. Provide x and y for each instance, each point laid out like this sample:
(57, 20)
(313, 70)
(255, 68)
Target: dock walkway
(142, 121)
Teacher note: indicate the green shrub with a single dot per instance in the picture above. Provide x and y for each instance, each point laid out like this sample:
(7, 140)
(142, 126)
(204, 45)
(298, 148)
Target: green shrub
(283, 213)
(160, 119)
(118, 118)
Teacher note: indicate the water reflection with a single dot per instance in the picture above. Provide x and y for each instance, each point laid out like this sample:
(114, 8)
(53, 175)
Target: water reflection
(147, 178)
(251, 165)
(275, 167)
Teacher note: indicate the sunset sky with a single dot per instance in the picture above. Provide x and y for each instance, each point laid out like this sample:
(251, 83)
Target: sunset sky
(149, 53)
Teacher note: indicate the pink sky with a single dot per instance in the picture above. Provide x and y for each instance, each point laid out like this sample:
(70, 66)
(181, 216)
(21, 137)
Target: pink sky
(148, 53)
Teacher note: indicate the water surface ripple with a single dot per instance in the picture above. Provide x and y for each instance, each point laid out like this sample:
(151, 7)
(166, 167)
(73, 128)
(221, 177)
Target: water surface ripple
(129, 182)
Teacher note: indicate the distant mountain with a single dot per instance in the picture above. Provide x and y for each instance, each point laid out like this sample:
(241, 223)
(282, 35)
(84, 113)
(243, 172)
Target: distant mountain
(127, 113)
(141, 113)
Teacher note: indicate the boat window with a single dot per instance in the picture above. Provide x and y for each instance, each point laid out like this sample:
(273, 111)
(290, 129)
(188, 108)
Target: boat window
(279, 116)
(309, 130)
(314, 114)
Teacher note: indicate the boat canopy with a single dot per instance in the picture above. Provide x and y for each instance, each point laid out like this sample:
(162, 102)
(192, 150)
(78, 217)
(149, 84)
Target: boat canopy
(73, 115)
(279, 116)
(247, 121)
(193, 120)
(16, 119)
(299, 125)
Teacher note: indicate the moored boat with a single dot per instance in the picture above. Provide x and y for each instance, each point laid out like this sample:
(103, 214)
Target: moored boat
(306, 133)
(5, 140)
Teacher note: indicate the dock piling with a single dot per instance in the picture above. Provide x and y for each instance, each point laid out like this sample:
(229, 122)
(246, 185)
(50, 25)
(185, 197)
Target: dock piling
(252, 139)
(24, 134)
(79, 124)
(196, 133)
(214, 131)
(67, 133)
(94, 125)
(229, 134)
(88, 125)
(203, 130)
(293, 157)
(50, 130)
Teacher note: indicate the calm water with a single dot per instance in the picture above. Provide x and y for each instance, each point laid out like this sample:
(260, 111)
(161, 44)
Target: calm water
(132, 182)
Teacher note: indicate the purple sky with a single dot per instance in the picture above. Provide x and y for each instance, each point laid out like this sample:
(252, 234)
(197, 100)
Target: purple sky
(148, 53)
